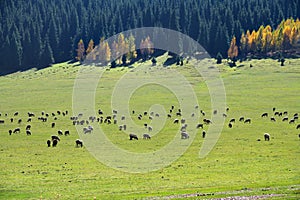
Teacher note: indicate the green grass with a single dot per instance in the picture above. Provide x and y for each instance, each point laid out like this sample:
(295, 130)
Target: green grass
(239, 165)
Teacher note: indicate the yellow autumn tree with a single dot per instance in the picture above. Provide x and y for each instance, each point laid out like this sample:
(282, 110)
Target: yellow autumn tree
(80, 51)
(233, 50)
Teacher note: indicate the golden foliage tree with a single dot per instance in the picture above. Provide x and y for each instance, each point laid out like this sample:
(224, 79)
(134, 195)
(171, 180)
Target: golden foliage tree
(233, 50)
(80, 51)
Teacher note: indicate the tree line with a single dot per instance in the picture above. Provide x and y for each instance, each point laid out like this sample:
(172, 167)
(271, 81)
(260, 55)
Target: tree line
(265, 42)
(39, 33)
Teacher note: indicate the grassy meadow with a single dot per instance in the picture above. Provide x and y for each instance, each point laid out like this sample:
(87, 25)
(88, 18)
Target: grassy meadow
(238, 165)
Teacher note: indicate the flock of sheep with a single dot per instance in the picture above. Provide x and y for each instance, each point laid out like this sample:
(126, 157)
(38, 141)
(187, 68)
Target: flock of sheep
(112, 118)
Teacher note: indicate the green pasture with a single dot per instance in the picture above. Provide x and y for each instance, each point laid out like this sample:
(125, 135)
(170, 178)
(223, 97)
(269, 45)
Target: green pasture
(238, 165)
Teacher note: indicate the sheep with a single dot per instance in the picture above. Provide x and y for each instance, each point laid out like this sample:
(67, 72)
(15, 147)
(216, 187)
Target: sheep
(207, 121)
(276, 113)
(178, 114)
(184, 135)
(120, 128)
(124, 127)
(183, 127)
(58, 112)
(11, 120)
(123, 117)
(16, 114)
(172, 107)
(242, 119)
(133, 136)
(285, 119)
(202, 112)
(156, 115)
(28, 132)
(182, 120)
(169, 116)
(203, 133)
(28, 127)
(224, 115)
(59, 132)
(215, 112)
(273, 119)
(115, 112)
(230, 125)
(267, 136)
(292, 121)
(67, 132)
(29, 119)
(199, 126)
(79, 143)
(30, 114)
(52, 124)
(193, 115)
(264, 115)
(285, 113)
(10, 132)
(17, 130)
(176, 121)
(274, 109)
(48, 143)
(146, 136)
(298, 126)
(55, 137)
(145, 125)
(150, 128)
(54, 143)
(248, 121)
(2, 121)
(145, 113)
(19, 121)
(232, 120)
(296, 117)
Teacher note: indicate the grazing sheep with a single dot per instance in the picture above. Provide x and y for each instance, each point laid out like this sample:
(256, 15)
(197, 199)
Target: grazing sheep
(169, 116)
(58, 112)
(184, 135)
(17, 130)
(298, 126)
(29, 119)
(274, 109)
(19, 121)
(28, 127)
(156, 115)
(232, 120)
(146, 136)
(299, 135)
(264, 115)
(2, 121)
(124, 127)
(227, 109)
(247, 121)
(115, 112)
(182, 120)
(152, 113)
(52, 124)
(202, 112)
(285, 119)
(172, 107)
(120, 128)
(139, 117)
(207, 121)
(292, 121)
(10, 132)
(86, 130)
(16, 113)
(55, 137)
(224, 115)
(133, 112)
(30, 114)
(285, 113)
(133, 136)
(296, 117)
(178, 114)
(215, 112)
(150, 117)
(199, 126)
(171, 111)
(79, 143)
(123, 117)
(230, 125)
(150, 128)
(267, 136)
(11, 120)
(176, 121)
(49, 143)
(273, 119)
(115, 121)
(67, 132)
(54, 143)
(28, 132)
(193, 115)
(276, 113)
(203, 133)
(145, 113)
(196, 106)
(280, 114)
(145, 125)
(59, 132)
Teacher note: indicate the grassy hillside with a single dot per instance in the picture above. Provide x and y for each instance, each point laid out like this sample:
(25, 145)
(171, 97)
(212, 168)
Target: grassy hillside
(238, 164)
